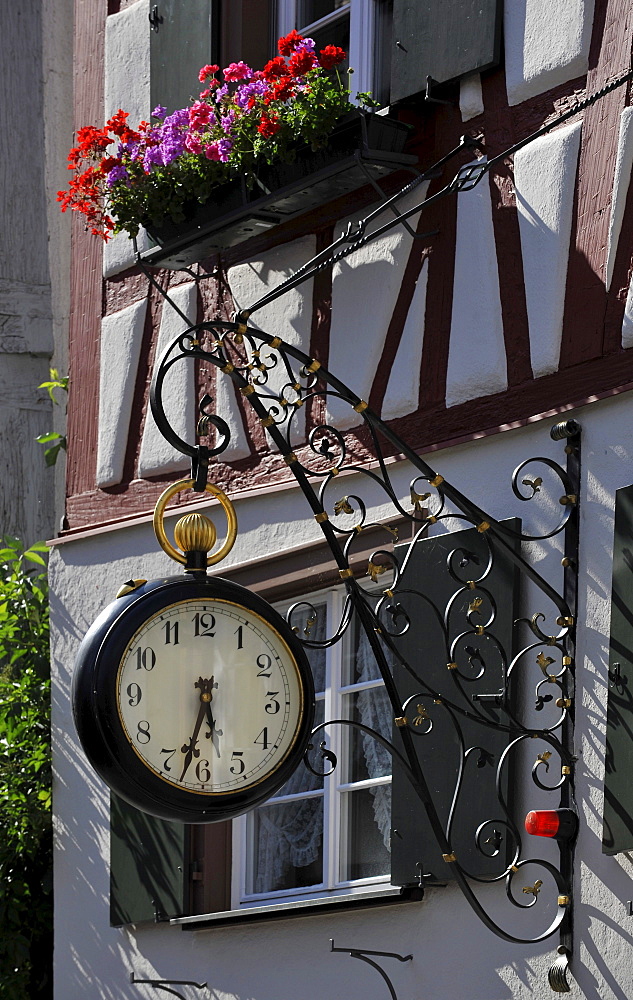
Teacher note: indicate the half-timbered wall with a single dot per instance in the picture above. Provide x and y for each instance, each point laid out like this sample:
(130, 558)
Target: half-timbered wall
(518, 303)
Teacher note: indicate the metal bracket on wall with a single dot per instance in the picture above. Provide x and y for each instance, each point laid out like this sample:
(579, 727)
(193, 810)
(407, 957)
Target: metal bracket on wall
(166, 984)
(362, 954)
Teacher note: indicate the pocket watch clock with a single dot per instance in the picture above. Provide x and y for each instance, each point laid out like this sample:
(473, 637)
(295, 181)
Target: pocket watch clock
(192, 697)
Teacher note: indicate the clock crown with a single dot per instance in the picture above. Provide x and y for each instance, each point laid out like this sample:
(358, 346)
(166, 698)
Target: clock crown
(195, 533)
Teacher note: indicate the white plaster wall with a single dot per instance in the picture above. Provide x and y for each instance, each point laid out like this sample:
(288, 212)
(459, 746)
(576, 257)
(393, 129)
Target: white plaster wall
(471, 102)
(403, 388)
(545, 44)
(476, 357)
(627, 322)
(156, 454)
(121, 339)
(621, 181)
(545, 177)
(454, 955)
(365, 289)
(127, 86)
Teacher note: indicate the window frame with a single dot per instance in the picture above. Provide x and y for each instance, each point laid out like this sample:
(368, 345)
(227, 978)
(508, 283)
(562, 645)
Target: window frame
(335, 792)
(364, 19)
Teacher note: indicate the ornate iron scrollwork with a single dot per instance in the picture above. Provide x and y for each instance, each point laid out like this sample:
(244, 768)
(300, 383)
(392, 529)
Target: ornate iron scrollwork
(280, 382)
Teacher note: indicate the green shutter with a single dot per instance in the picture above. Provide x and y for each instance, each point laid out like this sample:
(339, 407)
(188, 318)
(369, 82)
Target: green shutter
(414, 849)
(443, 39)
(617, 833)
(183, 37)
(148, 861)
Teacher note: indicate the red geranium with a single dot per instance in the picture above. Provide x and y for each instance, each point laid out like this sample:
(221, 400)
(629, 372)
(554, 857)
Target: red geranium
(331, 56)
(268, 126)
(302, 62)
(275, 68)
(289, 42)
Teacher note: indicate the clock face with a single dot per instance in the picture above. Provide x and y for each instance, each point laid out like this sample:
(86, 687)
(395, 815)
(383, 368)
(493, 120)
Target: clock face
(192, 699)
(209, 696)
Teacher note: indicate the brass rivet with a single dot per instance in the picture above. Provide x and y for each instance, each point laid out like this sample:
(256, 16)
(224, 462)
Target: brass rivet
(401, 721)
(564, 900)
(321, 517)
(567, 661)
(472, 585)
(449, 858)
(360, 406)
(437, 480)
(275, 342)
(267, 421)
(228, 368)
(314, 366)
(451, 666)
(431, 519)
(345, 574)
(290, 458)
(247, 390)
(484, 526)
(565, 769)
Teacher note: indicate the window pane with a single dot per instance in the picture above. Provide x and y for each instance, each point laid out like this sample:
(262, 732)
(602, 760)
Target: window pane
(309, 11)
(367, 757)
(287, 846)
(367, 817)
(361, 663)
(334, 34)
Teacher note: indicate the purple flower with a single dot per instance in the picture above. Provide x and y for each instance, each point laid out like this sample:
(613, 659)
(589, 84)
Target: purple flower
(152, 158)
(256, 88)
(118, 173)
(159, 111)
(307, 45)
(227, 120)
(221, 92)
(224, 149)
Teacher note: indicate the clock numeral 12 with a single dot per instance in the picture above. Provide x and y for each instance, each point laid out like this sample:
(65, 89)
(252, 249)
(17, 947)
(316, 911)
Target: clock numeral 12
(203, 625)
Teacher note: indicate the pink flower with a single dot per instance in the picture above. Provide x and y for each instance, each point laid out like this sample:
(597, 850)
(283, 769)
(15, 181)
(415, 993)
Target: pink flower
(199, 115)
(212, 152)
(237, 71)
(193, 144)
(206, 72)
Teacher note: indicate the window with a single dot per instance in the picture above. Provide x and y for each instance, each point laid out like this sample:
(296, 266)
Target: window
(361, 27)
(326, 836)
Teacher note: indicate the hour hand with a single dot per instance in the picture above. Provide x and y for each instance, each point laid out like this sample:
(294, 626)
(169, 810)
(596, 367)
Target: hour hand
(189, 749)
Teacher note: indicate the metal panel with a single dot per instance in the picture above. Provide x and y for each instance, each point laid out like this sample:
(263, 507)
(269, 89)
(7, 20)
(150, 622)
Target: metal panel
(183, 37)
(443, 39)
(617, 832)
(414, 849)
(148, 860)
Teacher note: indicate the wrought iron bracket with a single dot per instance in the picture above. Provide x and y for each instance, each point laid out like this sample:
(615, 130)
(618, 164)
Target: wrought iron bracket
(165, 985)
(362, 953)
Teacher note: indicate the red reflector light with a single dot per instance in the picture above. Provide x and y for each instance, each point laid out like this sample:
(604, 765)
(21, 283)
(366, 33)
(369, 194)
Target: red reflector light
(559, 823)
(542, 822)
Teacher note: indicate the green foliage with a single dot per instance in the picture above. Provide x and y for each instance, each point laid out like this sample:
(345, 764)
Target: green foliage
(56, 382)
(26, 902)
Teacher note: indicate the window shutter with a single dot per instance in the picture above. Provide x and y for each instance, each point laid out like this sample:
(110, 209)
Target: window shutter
(148, 861)
(617, 834)
(414, 849)
(443, 39)
(184, 36)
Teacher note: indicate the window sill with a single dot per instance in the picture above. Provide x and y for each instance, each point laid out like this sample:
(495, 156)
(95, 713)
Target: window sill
(304, 907)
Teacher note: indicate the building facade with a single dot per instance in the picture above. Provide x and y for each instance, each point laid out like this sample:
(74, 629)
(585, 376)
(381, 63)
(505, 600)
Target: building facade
(502, 308)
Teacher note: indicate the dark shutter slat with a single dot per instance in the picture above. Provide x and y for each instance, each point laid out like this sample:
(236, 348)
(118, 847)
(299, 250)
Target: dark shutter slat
(617, 834)
(412, 839)
(147, 865)
(444, 39)
(186, 39)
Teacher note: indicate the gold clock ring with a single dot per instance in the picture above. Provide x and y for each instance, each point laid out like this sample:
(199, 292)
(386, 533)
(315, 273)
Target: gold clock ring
(229, 510)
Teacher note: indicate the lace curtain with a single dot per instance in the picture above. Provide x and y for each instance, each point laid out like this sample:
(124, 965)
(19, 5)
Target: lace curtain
(290, 835)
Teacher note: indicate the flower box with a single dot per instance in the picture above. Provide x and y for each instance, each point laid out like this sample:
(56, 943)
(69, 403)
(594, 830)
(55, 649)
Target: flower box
(361, 147)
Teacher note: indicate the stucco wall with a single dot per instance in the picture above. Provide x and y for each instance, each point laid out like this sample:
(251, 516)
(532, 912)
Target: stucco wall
(454, 955)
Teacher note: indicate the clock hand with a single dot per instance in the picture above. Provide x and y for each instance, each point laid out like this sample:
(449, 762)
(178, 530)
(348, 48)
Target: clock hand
(213, 729)
(189, 749)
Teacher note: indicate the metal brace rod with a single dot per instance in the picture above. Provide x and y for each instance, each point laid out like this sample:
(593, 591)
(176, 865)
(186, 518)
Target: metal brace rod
(166, 984)
(362, 953)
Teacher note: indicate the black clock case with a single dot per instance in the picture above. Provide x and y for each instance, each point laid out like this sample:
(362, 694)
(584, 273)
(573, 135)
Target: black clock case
(97, 720)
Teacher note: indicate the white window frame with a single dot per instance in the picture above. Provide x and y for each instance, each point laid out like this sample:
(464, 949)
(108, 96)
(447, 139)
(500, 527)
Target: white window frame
(362, 30)
(334, 790)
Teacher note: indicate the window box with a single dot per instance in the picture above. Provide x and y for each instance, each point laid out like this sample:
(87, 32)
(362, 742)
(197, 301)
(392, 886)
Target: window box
(361, 146)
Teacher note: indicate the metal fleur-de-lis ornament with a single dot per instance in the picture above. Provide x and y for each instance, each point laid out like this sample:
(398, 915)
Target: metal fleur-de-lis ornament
(533, 890)
(535, 484)
(417, 499)
(422, 714)
(374, 570)
(310, 623)
(544, 662)
(343, 506)
(544, 758)
(475, 604)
